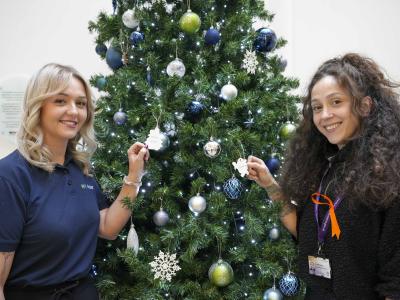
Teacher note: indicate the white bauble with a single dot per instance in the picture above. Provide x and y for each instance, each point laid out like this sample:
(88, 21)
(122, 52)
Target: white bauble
(129, 19)
(212, 148)
(176, 67)
(197, 204)
(229, 92)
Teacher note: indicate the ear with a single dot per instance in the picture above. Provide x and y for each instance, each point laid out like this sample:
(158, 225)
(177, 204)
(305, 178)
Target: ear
(366, 105)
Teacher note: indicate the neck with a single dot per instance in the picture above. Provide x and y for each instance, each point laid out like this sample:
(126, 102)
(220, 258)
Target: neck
(58, 151)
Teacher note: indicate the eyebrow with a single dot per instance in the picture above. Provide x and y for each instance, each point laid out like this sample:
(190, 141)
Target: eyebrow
(329, 96)
(67, 95)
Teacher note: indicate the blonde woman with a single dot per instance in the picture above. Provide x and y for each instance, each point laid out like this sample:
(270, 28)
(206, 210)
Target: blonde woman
(51, 208)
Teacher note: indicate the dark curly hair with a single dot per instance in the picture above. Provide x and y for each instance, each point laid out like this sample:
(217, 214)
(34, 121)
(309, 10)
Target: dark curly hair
(372, 168)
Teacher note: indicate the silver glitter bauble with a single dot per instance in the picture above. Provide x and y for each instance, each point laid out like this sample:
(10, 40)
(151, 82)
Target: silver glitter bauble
(129, 19)
(272, 294)
(212, 148)
(160, 218)
(120, 117)
(229, 92)
(176, 67)
(197, 204)
(274, 233)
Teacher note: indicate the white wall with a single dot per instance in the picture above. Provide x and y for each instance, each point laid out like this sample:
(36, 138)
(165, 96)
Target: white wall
(34, 32)
(317, 30)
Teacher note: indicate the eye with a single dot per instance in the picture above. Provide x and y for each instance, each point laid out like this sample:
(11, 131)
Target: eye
(336, 101)
(81, 104)
(59, 101)
(316, 108)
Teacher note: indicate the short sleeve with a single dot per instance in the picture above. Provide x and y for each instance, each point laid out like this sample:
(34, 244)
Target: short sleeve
(102, 200)
(389, 254)
(12, 216)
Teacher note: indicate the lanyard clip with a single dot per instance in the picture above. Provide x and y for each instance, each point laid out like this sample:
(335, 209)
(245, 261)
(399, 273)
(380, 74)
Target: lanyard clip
(320, 248)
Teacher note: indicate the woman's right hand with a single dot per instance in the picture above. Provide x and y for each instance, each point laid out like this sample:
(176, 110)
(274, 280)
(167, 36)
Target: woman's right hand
(259, 172)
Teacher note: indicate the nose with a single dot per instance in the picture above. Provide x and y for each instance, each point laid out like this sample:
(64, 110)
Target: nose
(72, 109)
(326, 113)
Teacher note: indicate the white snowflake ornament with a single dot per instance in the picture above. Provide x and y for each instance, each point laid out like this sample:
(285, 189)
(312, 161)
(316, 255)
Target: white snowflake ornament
(241, 166)
(250, 62)
(164, 266)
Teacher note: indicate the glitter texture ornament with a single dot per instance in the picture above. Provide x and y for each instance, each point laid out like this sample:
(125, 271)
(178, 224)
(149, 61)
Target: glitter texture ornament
(241, 166)
(197, 204)
(120, 117)
(176, 67)
(114, 58)
(229, 92)
(164, 266)
(272, 294)
(160, 218)
(289, 284)
(212, 148)
(136, 37)
(265, 41)
(220, 273)
(194, 111)
(190, 22)
(157, 140)
(129, 19)
(287, 130)
(132, 241)
(250, 62)
(233, 188)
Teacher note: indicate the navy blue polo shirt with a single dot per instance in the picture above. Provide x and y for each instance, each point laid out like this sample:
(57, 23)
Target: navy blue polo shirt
(50, 220)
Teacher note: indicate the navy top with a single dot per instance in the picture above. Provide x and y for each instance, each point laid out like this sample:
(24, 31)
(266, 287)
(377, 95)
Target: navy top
(50, 220)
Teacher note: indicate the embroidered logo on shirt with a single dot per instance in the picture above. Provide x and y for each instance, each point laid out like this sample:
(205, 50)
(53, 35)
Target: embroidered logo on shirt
(85, 186)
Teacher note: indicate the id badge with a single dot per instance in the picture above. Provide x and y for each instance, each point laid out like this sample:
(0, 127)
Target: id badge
(319, 266)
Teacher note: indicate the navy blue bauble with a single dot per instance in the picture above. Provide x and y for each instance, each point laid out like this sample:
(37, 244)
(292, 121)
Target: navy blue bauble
(136, 37)
(233, 188)
(120, 117)
(212, 36)
(114, 58)
(273, 164)
(194, 111)
(265, 40)
(101, 49)
(289, 284)
(100, 83)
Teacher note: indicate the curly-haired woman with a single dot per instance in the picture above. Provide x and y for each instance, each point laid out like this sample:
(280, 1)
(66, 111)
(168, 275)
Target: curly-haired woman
(340, 184)
(51, 208)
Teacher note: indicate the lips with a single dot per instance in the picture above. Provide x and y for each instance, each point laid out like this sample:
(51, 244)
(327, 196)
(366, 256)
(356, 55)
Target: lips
(332, 127)
(71, 124)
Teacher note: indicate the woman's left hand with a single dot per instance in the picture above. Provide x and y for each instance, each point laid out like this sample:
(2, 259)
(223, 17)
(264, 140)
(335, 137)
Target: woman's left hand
(137, 155)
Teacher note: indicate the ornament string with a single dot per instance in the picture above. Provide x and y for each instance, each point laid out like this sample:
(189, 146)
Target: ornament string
(188, 4)
(219, 248)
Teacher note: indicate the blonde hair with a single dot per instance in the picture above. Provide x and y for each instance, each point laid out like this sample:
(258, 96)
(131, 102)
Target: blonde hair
(49, 81)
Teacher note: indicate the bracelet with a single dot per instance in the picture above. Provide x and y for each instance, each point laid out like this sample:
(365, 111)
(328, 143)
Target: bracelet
(138, 184)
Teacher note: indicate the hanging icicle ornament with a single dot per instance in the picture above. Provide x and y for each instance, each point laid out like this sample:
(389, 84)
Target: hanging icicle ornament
(250, 62)
(241, 166)
(197, 204)
(132, 241)
(229, 92)
(129, 19)
(190, 22)
(165, 266)
(212, 148)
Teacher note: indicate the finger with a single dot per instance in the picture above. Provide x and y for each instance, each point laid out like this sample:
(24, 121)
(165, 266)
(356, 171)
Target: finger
(252, 158)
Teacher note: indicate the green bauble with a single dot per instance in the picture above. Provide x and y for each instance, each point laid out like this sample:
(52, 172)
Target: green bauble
(190, 22)
(220, 273)
(287, 130)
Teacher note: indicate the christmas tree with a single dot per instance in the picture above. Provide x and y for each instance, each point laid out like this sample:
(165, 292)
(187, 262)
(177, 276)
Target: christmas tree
(204, 89)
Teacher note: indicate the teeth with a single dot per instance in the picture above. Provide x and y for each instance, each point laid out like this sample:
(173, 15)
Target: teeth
(69, 122)
(333, 126)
